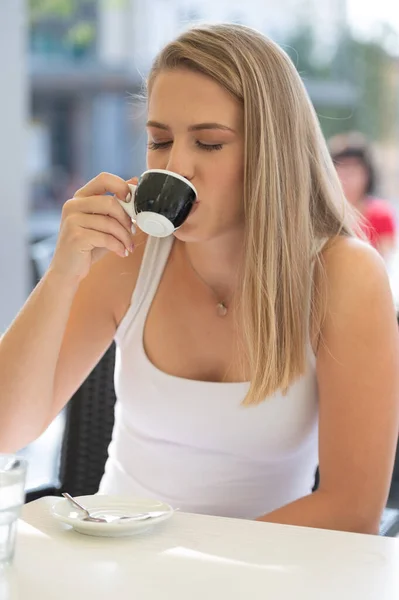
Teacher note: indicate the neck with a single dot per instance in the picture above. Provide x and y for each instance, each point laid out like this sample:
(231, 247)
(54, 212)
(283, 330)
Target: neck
(217, 261)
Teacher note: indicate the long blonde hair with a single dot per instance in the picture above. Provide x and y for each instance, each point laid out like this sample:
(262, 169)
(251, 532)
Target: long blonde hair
(292, 196)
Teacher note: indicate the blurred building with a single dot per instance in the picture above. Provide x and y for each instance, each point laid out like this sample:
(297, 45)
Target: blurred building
(83, 72)
(13, 204)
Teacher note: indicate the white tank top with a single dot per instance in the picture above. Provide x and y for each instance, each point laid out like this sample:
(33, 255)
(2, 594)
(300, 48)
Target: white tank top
(191, 443)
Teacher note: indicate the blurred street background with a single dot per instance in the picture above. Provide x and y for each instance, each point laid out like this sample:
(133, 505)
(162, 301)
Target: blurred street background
(71, 70)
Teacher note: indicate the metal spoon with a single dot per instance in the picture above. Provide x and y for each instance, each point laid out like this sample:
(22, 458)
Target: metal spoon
(88, 516)
(111, 518)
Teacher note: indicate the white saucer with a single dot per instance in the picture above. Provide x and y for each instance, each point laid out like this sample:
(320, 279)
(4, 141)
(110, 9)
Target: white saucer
(110, 505)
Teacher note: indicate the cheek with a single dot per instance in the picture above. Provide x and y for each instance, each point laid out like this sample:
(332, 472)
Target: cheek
(342, 173)
(229, 193)
(357, 182)
(353, 179)
(236, 184)
(363, 180)
(348, 179)
(229, 173)
(157, 159)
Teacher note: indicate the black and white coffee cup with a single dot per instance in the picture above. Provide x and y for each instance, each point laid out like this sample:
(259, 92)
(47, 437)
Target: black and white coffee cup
(161, 202)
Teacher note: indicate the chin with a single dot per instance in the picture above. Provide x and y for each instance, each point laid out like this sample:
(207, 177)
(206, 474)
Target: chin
(190, 234)
(196, 229)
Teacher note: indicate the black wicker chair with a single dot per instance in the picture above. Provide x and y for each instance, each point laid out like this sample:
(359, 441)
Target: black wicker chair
(88, 430)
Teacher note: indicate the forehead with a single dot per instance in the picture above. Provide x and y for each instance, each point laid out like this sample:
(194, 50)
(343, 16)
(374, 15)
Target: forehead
(349, 161)
(185, 97)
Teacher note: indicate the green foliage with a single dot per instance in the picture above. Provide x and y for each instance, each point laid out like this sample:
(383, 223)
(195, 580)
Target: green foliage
(302, 49)
(372, 70)
(367, 66)
(64, 9)
(70, 32)
(81, 34)
(42, 9)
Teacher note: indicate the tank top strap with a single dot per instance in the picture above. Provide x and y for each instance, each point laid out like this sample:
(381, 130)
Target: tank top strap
(155, 257)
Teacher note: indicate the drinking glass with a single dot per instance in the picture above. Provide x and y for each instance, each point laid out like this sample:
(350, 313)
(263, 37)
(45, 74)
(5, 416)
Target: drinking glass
(12, 496)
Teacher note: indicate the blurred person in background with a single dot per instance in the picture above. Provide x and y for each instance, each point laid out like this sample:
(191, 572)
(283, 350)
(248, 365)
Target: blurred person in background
(354, 163)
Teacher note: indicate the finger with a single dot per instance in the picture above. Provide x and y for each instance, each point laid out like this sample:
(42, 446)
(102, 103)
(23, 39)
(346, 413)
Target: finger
(133, 180)
(99, 205)
(105, 224)
(103, 183)
(98, 239)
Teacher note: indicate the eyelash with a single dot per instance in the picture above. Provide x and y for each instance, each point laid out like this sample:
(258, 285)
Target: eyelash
(206, 147)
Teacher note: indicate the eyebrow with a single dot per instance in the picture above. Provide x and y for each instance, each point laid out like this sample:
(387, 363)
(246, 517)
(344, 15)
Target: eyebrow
(197, 127)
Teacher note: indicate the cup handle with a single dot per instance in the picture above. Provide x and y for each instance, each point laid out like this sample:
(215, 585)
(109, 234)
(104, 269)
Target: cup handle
(128, 207)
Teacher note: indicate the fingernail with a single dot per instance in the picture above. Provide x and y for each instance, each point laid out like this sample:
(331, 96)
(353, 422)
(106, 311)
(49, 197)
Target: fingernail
(133, 229)
(128, 198)
(131, 247)
(126, 252)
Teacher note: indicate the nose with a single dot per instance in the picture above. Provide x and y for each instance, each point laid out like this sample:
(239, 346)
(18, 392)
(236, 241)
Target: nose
(180, 162)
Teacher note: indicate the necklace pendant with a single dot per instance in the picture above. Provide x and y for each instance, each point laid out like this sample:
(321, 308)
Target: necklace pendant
(221, 309)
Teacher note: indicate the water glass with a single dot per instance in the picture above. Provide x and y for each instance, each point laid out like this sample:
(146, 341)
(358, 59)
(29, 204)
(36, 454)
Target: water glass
(12, 496)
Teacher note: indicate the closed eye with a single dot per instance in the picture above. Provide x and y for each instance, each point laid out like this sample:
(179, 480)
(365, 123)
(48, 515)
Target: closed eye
(206, 147)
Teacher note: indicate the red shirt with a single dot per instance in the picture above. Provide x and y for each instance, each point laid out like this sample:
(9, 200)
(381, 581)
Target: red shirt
(379, 220)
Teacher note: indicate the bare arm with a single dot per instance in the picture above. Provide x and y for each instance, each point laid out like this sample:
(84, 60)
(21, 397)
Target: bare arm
(28, 358)
(98, 307)
(358, 379)
(69, 320)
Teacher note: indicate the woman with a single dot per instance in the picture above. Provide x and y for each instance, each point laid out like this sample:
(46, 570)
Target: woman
(223, 412)
(352, 158)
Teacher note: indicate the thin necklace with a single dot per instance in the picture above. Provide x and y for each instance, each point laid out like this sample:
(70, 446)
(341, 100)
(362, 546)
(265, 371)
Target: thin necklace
(221, 305)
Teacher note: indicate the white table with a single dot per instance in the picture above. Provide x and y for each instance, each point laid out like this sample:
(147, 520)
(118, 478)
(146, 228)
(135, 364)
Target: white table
(195, 557)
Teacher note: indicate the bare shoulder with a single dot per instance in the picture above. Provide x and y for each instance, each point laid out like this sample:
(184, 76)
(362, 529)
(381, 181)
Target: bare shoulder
(359, 301)
(348, 252)
(353, 268)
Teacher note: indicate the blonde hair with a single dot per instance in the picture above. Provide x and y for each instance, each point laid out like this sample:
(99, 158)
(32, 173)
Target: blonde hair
(292, 196)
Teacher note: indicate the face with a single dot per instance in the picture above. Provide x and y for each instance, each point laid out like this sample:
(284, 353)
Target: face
(195, 129)
(354, 178)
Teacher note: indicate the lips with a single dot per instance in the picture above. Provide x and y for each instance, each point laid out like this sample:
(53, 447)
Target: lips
(194, 208)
